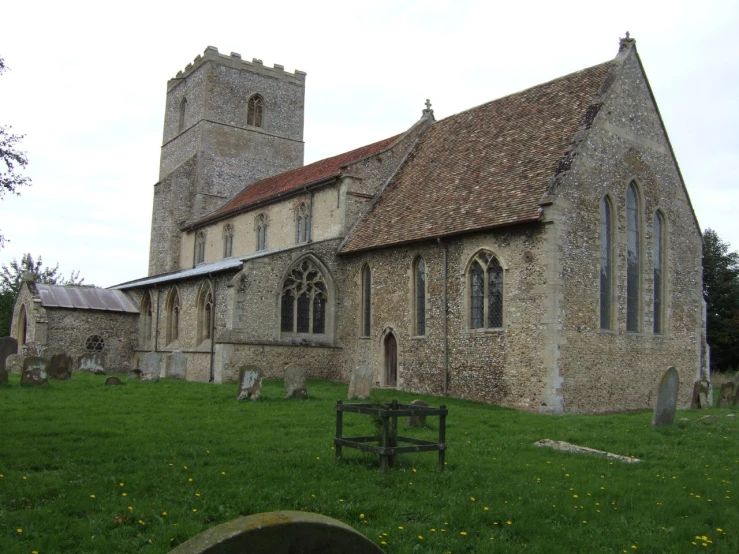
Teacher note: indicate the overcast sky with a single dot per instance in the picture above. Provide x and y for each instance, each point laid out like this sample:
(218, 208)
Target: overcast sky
(87, 85)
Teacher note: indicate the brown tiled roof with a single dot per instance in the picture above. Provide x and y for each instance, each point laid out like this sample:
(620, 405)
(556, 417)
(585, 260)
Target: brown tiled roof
(482, 168)
(295, 179)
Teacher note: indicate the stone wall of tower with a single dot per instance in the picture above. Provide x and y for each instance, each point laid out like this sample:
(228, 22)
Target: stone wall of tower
(210, 152)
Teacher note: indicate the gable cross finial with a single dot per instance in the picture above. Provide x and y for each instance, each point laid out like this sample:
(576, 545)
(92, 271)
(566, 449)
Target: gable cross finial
(428, 104)
(428, 110)
(626, 42)
(628, 35)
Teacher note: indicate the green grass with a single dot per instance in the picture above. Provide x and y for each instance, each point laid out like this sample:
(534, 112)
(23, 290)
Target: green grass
(90, 468)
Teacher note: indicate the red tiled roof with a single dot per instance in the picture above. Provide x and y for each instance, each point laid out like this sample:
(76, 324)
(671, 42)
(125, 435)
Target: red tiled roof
(295, 179)
(482, 168)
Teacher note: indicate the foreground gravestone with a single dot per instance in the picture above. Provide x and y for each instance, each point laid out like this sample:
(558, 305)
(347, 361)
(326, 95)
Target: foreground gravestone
(152, 363)
(60, 365)
(280, 533)
(664, 409)
(32, 350)
(725, 394)
(735, 402)
(295, 381)
(177, 365)
(134, 374)
(92, 362)
(113, 380)
(149, 377)
(3, 377)
(700, 394)
(14, 363)
(8, 347)
(417, 420)
(250, 383)
(34, 372)
(360, 385)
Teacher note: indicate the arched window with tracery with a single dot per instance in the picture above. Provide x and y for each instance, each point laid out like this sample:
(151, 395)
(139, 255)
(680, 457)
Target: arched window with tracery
(366, 300)
(228, 240)
(606, 263)
(419, 297)
(182, 115)
(146, 318)
(302, 218)
(205, 312)
(261, 225)
(633, 259)
(200, 247)
(485, 282)
(304, 300)
(660, 266)
(173, 316)
(255, 111)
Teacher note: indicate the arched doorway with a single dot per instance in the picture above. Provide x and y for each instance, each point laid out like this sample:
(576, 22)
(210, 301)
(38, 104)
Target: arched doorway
(391, 360)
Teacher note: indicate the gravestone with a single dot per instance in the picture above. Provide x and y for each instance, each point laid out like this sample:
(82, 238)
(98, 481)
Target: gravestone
(113, 380)
(725, 394)
(280, 533)
(735, 402)
(664, 410)
(34, 371)
(14, 363)
(92, 362)
(32, 350)
(700, 394)
(250, 383)
(134, 374)
(60, 365)
(150, 377)
(360, 385)
(416, 420)
(3, 377)
(177, 365)
(152, 363)
(295, 381)
(8, 347)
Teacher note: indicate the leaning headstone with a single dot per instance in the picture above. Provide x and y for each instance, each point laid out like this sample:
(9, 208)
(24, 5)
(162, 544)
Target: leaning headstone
(699, 387)
(664, 410)
(60, 366)
(152, 363)
(151, 377)
(92, 362)
(295, 381)
(177, 365)
(280, 533)
(725, 394)
(134, 374)
(8, 346)
(32, 350)
(360, 385)
(113, 380)
(416, 420)
(250, 383)
(14, 363)
(34, 371)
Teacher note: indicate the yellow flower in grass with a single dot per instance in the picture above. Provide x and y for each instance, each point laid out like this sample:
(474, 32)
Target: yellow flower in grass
(361, 516)
(130, 508)
(164, 514)
(472, 498)
(400, 527)
(120, 484)
(420, 537)
(189, 480)
(19, 530)
(194, 510)
(463, 533)
(141, 522)
(223, 473)
(485, 508)
(92, 496)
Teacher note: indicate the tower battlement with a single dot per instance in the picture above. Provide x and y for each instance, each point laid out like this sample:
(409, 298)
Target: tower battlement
(234, 60)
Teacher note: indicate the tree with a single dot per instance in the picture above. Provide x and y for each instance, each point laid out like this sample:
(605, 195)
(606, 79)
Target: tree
(721, 292)
(12, 160)
(11, 279)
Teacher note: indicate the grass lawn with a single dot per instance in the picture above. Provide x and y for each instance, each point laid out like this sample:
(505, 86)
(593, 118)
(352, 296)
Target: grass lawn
(145, 466)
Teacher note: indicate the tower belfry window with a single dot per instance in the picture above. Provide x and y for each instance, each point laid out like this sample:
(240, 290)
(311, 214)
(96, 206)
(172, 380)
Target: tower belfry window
(255, 110)
(183, 113)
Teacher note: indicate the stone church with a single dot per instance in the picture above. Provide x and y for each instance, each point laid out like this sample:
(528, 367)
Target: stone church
(539, 251)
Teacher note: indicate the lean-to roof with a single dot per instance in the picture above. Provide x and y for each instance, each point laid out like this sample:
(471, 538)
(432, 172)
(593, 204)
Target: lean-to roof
(85, 298)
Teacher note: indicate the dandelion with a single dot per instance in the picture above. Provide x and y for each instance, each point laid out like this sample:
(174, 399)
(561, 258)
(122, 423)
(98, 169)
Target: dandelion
(312, 495)
(124, 494)
(318, 458)
(189, 480)
(120, 484)
(420, 537)
(197, 494)
(463, 533)
(472, 498)
(207, 451)
(24, 477)
(574, 496)
(130, 508)
(361, 516)
(341, 500)
(432, 530)
(223, 473)
(584, 520)
(185, 467)
(414, 470)
(509, 522)
(485, 508)
(164, 514)
(383, 543)
(1, 475)
(194, 510)
(719, 529)
(92, 496)
(142, 522)
(400, 527)
(19, 530)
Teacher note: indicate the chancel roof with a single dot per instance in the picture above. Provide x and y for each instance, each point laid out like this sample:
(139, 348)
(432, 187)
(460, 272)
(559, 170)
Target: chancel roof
(483, 168)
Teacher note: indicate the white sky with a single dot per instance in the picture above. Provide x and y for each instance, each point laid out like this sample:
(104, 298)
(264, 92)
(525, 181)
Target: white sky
(87, 85)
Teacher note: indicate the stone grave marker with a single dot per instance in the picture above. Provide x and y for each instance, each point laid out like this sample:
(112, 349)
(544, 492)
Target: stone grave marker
(280, 533)
(664, 409)
(735, 402)
(149, 377)
(8, 346)
(60, 364)
(250, 383)
(34, 371)
(700, 387)
(360, 386)
(92, 362)
(417, 420)
(14, 363)
(295, 381)
(134, 374)
(32, 350)
(725, 394)
(152, 363)
(177, 365)
(113, 380)
(3, 377)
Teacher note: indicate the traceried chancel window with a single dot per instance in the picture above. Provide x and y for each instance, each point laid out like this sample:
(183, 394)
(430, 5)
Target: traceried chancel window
(633, 259)
(606, 264)
(304, 299)
(419, 295)
(255, 111)
(486, 291)
(659, 273)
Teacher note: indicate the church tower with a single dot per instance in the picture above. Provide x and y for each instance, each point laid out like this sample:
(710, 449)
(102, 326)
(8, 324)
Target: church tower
(228, 123)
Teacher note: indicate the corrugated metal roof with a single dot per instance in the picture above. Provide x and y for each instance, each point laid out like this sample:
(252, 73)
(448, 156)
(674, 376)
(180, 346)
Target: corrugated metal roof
(85, 298)
(204, 269)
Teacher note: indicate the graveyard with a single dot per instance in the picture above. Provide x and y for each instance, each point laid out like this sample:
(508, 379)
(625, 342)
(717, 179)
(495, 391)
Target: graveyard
(147, 465)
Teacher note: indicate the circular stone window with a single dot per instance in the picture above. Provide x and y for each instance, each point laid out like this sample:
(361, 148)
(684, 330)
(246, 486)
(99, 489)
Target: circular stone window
(94, 343)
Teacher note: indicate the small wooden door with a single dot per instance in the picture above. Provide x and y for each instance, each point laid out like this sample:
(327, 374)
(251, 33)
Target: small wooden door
(391, 360)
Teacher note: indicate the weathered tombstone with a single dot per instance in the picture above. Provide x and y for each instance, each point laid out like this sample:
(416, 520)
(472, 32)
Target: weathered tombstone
(280, 533)
(177, 365)
(34, 371)
(92, 362)
(60, 365)
(32, 350)
(3, 377)
(295, 381)
(8, 346)
(735, 402)
(250, 383)
(152, 363)
(725, 394)
(134, 374)
(700, 387)
(113, 380)
(416, 420)
(664, 410)
(360, 385)
(14, 363)
(153, 377)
